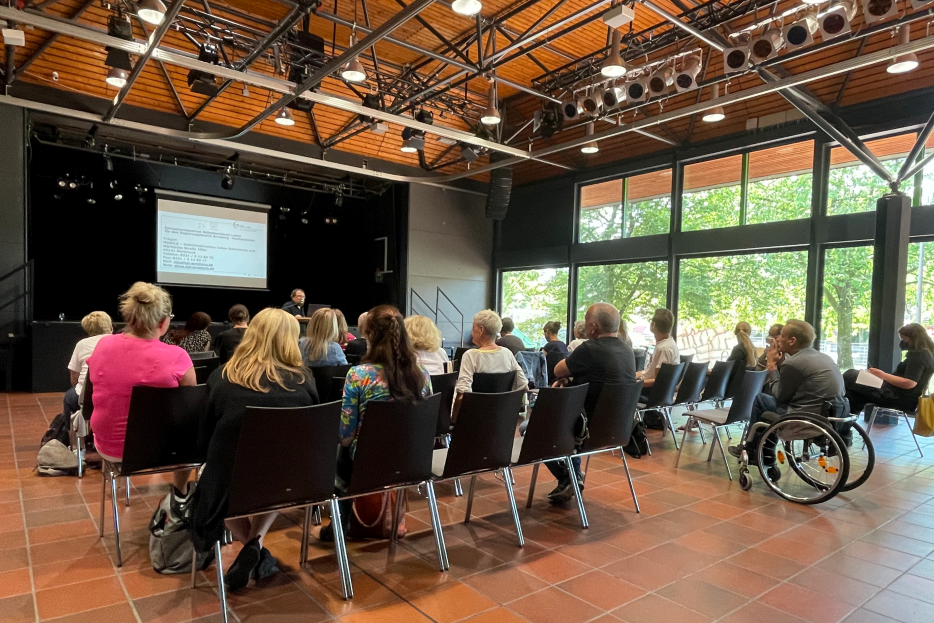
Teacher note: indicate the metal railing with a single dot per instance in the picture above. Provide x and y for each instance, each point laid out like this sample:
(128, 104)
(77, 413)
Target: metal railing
(436, 311)
(26, 291)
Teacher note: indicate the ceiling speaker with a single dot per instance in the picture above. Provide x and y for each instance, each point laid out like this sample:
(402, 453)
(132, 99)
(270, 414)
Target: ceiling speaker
(497, 199)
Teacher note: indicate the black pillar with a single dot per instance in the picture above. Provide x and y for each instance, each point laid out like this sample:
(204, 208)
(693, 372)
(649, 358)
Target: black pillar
(890, 265)
(14, 306)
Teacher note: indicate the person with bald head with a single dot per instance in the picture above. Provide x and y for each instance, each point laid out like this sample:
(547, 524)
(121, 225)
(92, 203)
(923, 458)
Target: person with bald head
(603, 358)
(358, 346)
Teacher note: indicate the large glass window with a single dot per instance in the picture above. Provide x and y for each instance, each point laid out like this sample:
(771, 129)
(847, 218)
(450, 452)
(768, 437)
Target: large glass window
(853, 187)
(845, 315)
(779, 186)
(635, 206)
(532, 298)
(712, 193)
(919, 293)
(717, 292)
(634, 289)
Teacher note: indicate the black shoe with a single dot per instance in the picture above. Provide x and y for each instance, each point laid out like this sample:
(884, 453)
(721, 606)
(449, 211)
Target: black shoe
(326, 534)
(240, 572)
(736, 451)
(563, 495)
(267, 566)
(562, 485)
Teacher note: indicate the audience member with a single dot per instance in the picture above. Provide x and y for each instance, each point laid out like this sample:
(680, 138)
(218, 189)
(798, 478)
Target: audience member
(426, 340)
(296, 305)
(389, 371)
(774, 332)
(135, 357)
(194, 337)
(801, 382)
(553, 343)
(744, 350)
(580, 335)
(901, 389)
(488, 356)
(226, 343)
(319, 347)
(343, 332)
(97, 325)
(666, 349)
(265, 371)
(604, 358)
(624, 332)
(507, 339)
(358, 346)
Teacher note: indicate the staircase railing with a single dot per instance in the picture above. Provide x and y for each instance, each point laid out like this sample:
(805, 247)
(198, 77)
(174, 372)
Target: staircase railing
(436, 310)
(25, 294)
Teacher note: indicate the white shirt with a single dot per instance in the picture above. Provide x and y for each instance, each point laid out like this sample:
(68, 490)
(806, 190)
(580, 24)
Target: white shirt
(666, 351)
(79, 358)
(488, 361)
(575, 343)
(433, 362)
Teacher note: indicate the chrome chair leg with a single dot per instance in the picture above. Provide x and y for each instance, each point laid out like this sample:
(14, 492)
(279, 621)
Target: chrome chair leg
(398, 515)
(512, 505)
(913, 436)
(632, 487)
(872, 418)
(458, 488)
(306, 527)
(126, 484)
(340, 550)
(688, 425)
(104, 472)
(728, 435)
(716, 433)
(436, 527)
(584, 475)
(528, 503)
(577, 492)
(113, 500)
(729, 472)
(473, 485)
(648, 446)
(671, 427)
(194, 568)
(316, 515)
(221, 589)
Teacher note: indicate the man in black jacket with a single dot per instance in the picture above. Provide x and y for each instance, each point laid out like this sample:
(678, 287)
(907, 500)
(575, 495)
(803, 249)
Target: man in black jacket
(296, 306)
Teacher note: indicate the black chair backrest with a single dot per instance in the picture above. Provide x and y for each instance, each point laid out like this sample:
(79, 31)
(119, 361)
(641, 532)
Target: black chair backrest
(715, 389)
(285, 457)
(749, 388)
(483, 436)
(395, 444)
(208, 354)
(204, 366)
(444, 384)
(459, 353)
(639, 355)
(87, 405)
(663, 390)
(610, 425)
(353, 359)
(687, 358)
(162, 428)
(553, 424)
(324, 381)
(493, 382)
(736, 378)
(692, 383)
(552, 359)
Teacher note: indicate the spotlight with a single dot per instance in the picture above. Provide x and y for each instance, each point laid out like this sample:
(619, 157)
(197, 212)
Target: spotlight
(836, 19)
(121, 29)
(353, 70)
(61, 183)
(227, 182)
(551, 122)
(715, 114)
(152, 11)
(370, 100)
(92, 200)
(72, 185)
(118, 197)
(409, 146)
(490, 116)
(201, 82)
(590, 147)
(304, 221)
(469, 152)
(767, 46)
(284, 210)
(339, 202)
(284, 117)
(878, 10)
(612, 97)
(412, 140)
(613, 66)
(109, 166)
(800, 33)
(660, 81)
(466, 7)
(116, 77)
(903, 63)
(591, 104)
(735, 59)
(686, 79)
(637, 90)
(424, 116)
(571, 109)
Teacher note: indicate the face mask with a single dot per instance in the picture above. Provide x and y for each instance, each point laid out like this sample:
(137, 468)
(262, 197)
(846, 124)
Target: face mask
(903, 345)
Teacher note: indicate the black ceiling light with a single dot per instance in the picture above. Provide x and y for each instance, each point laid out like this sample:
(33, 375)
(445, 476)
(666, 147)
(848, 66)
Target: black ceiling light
(371, 101)
(202, 82)
(119, 27)
(306, 52)
(424, 116)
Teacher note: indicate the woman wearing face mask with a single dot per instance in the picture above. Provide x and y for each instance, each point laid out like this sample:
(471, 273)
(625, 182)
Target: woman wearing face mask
(901, 389)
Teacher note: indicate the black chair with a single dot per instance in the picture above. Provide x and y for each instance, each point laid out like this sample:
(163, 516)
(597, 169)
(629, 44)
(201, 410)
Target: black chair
(610, 425)
(353, 359)
(161, 436)
(493, 382)
(285, 460)
(482, 441)
(204, 363)
(639, 354)
(715, 389)
(444, 384)
(552, 435)
(328, 390)
(552, 359)
(736, 378)
(687, 358)
(740, 411)
(690, 388)
(458, 355)
(394, 451)
(662, 393)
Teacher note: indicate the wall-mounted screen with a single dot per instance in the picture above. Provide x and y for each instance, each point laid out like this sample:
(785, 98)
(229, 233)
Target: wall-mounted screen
(221, 244)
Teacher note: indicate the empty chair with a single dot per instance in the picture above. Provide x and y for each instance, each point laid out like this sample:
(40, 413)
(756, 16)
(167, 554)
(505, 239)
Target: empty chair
(458, 355)
(739, 411)
(328, 390)
(553, 358)
(443, 384)
(493, 382)
(552, 435)
(692, 384)
(161, 436)
(204, 364)
(661, 394)
(482, 441)
(715, 389)
(687, 358)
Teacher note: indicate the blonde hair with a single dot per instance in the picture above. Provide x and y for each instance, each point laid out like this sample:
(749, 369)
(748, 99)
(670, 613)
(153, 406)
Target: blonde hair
(97, 323)
(580, 329)
(423, 333)
(342, 328)
(144, 306)
(269, 350)
(321, 331)
(489, 321)
(742, 331)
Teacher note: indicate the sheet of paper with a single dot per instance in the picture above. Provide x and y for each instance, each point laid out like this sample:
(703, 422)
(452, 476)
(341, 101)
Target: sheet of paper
(865, 378)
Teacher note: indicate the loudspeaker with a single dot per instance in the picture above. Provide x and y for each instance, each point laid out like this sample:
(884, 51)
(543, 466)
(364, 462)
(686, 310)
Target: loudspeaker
(497, 200)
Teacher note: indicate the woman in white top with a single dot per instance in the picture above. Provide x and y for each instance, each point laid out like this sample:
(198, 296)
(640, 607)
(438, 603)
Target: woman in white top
(580, 335)
(426, 341)
(487, 357)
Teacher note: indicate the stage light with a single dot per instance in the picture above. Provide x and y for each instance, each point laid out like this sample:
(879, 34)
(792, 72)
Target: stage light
(878, 10)
(353, 70)
(284, 210)
(109, 166)
(800, 33)
(408, 146)
(92, 200)
(551, 121)
(686, 79)
(469, 152)
(466, 7)
(591, 104)
(152, 11)
(116, 77)
(767, 46)
(227, 182)
(199, 81)
(903, 63)
(660, 81)
(571, 109)
(613, 97)
(836, 19)
(424, 116)
(590, 147)
(304, 221)
(118, 197)
(715, 114)
(339, 202)
(284, 117)
(61, 183)
(637, 90)
(72, 185)
(735, 59)
(119, 28)
(613, 66)
(490, 116)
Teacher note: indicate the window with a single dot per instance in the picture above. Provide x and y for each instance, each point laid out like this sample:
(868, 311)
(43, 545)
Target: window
(779, 186)
(634, 289)
(717, 292)
(919, 296)
(532, 298)
(853, 187)
(712, 193)
(845, 316)
(636, 206)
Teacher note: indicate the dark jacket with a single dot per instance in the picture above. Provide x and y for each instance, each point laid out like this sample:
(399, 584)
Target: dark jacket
(804, 381)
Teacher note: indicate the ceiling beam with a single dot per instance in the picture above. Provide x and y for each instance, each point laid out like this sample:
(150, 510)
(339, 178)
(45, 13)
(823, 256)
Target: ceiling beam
(906, 171)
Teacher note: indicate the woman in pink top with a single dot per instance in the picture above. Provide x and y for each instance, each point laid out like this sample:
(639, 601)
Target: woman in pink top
(134, 357)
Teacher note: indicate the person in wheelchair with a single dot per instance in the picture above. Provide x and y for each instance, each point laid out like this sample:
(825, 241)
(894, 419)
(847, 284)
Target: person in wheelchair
(799, 379)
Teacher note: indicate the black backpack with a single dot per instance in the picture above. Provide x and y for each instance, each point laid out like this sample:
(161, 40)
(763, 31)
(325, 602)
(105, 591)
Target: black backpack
(638, 444)
(58, 429)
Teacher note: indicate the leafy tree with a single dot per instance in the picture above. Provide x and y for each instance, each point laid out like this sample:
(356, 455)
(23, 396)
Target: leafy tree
(533, 297)
(637, 289)
(779, 199)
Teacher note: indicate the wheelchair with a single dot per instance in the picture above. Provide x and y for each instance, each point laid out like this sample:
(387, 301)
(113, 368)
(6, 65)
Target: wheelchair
(808, 458)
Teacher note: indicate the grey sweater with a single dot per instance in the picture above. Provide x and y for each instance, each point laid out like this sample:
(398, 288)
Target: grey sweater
(804, 381)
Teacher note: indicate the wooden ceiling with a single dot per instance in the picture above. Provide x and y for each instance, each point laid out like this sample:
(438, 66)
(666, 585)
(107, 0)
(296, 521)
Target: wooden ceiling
(78, 66)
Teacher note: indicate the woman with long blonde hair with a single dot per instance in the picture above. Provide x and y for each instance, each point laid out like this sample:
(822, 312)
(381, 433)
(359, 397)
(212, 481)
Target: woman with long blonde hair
(265, 371)
(744, 350)
(320, 345)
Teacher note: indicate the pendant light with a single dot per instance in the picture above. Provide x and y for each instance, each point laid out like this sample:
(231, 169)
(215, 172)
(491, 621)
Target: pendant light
(466, 7)
(116, 77)
(613, 66)
(903, 63)
(490, 116)
(353, 70)
(284, 117)
(716, 113)
(151, 11)
(590, 147)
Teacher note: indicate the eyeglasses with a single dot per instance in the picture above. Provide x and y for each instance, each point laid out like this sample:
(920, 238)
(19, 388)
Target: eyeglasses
(171, 316)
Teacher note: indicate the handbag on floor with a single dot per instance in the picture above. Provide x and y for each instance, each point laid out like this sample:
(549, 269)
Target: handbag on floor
(371, 517)
(924, 417)
(170, 545)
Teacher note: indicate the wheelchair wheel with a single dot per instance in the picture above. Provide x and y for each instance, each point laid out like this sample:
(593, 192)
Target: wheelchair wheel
(808, 457)
(862, 458)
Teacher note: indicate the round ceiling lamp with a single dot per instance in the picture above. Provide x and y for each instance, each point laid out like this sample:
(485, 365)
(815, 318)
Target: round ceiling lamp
(613, 66)
(903, 63)
(284, 117)
(466, 7)
(353, 70)
(716, 113)
(151, 11)
(590, 147)
(116, 77)
(491, 115)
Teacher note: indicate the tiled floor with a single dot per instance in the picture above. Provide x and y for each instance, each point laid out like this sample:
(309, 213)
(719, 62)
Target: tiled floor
(701, 550)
